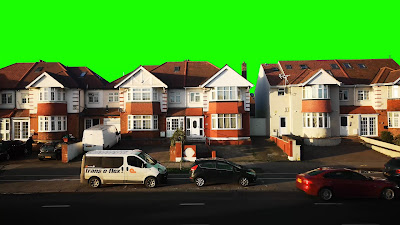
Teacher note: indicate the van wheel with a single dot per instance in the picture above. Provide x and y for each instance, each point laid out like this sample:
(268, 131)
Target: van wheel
(94, 182)
(150, 182)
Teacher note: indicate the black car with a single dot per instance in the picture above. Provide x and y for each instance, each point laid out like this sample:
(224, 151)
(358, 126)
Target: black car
(220, 171)
(392, 169)
(50, 150)
(12, 149)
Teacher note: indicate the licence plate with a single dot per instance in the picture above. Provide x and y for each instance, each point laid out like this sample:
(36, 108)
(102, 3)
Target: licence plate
(47, 157)
(299, 180)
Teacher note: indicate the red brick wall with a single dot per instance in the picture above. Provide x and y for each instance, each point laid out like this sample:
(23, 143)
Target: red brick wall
(226, 107)
(33, 123)
(75, 125)
(320, 105)
(51, 109)
(393, 105)
(143, 108)
(48, 136)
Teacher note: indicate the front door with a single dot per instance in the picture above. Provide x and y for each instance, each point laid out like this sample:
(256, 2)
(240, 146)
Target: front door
(136, 170)
(368, 126)
(282, 126)
(194, 127)
(20, 129)
(173, 123)
(344, 126)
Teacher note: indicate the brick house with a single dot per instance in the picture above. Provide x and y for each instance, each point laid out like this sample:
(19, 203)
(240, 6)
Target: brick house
(322, 100)
(44, 99)
(210, 104)
(48, 100)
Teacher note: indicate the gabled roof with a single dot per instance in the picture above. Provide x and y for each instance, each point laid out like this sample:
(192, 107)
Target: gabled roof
(364, 71)
(232, 78)
(20, 75)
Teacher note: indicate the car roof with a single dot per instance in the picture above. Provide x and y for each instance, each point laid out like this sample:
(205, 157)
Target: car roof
(211, 159)
(113, 152)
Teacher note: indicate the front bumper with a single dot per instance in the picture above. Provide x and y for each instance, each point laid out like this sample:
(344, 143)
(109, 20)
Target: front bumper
(47, 155)
(162, 178)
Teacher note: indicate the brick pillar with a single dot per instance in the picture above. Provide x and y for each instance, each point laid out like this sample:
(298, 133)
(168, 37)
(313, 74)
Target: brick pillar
(64, 152)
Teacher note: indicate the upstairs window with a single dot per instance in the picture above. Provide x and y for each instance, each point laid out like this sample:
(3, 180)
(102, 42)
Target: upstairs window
(93, 97)
(289, 67)
(51, 94)
(225, 94)
(347, 65)
(6, 98)
(343, 95)
(363, 95)
(113, 97)
(317, 91)
(362, 66)
(177, 68)
(281, 91)
(393, 91)
(194, 97)
(174, 97)
(24, 98)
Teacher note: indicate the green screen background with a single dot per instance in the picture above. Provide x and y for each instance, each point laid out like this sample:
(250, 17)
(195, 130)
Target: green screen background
(116, 37)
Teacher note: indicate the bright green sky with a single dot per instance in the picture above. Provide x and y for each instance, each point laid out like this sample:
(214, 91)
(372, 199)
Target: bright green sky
(118, 36)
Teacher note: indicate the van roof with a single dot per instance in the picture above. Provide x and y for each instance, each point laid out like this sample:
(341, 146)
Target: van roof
(113, 152)
(100, 127)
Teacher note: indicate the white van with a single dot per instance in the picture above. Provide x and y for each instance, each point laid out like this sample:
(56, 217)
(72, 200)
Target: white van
(121, 167)
(100, 137)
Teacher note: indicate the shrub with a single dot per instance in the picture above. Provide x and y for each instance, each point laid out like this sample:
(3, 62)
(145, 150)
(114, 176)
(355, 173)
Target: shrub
(386, 136)
(179, 135)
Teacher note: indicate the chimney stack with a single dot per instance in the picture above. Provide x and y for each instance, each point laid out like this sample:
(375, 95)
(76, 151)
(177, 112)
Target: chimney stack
(244, 70)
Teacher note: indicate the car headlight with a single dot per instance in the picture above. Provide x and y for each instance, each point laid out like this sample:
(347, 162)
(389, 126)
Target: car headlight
(251, 172)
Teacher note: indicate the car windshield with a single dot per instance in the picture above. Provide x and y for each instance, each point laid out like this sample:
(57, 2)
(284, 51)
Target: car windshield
(236, 165)
(47, 148)
(147, 158)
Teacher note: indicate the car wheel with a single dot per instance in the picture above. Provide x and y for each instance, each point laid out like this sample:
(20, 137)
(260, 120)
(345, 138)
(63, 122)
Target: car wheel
(244, 181)
(199, 181)
(94, 182)
(388, 194)
(325, 194)
(150, 182)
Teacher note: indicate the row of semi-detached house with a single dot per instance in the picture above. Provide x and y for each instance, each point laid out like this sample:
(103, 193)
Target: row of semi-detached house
(47, 100)
(322, 100)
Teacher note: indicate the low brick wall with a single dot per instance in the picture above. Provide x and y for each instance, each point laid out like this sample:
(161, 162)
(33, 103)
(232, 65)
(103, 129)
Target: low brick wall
(382, 147)
(289, 147)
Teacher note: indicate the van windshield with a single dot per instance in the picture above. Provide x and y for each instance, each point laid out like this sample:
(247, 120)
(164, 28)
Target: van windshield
(147, 158)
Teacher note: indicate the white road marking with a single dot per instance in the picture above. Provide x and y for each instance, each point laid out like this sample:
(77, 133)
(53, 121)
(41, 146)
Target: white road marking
(192, 204)
(328, 203)
(360, 224)
(56, 206)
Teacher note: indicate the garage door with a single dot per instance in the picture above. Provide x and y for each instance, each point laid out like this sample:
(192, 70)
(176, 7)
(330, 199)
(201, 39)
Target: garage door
(113, 121)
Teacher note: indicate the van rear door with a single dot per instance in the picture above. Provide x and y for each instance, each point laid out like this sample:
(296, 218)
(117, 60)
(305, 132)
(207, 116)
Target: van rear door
(134, 172)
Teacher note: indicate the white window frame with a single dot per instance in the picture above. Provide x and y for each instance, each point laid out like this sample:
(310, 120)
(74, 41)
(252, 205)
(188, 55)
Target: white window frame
(393, 119)
(93, 97)
(393, 91)
(145, 94)
(90, 121)
(194, 97)
(174, 97)
(5, 129)
(52, 123)
(51, 94)
(281, 91)
(142, 122)
(226, 122)
(8, 100)
(225, 93)
(113, 97)
(362, 95)
(342, 95)
(316, 120)
(317, 91)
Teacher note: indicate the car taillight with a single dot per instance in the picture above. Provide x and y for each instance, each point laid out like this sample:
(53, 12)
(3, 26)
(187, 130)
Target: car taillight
(307, 182)
(398, 171)
(194, 168)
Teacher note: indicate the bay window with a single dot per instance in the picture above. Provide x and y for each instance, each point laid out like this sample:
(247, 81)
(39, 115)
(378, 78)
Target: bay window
(393, 119)
(51, 94)
(52, 123)
(229, 93)
(317, 91)
(5, 129)
(316, 120)
(142, 94)
(142, 122)
(226, 121)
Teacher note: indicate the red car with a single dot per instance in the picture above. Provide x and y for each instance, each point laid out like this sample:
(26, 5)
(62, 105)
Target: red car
(328, 183)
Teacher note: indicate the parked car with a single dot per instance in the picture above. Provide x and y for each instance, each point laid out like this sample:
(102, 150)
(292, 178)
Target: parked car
(392, 169)
(121, 167)
(50, 150)
(329, 182)
(12, 149)
(220, 171)
(100, 137)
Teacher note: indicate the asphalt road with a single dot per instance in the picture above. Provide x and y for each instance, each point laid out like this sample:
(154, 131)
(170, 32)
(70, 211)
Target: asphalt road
(224, 207)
